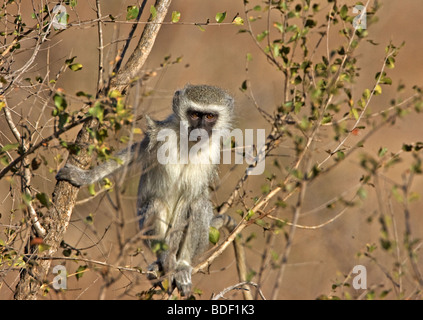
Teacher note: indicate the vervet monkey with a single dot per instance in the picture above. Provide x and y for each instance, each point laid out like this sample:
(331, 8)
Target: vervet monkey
(173, 197)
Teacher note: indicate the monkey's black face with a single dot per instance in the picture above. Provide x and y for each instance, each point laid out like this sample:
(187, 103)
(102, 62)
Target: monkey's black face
(201, 120)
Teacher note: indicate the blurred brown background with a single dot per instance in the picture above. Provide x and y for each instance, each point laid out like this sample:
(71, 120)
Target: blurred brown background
(319, 258)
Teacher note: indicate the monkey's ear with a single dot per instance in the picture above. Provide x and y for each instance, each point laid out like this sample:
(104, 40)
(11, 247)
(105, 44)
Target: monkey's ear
(176, 102)
(151, 124)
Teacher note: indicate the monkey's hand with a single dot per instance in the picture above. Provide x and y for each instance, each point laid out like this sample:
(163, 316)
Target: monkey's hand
(153, 271)
(74, 175)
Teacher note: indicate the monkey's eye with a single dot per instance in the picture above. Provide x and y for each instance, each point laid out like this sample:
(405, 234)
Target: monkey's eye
(194, 115)
(210, 117)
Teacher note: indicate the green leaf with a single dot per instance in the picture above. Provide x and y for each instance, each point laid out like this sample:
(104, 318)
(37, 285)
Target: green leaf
(378, 90)
(382, 151)
(397, 194)
(340, 155)
(343, 13)
(9, 147)
(70, 60)
(390, 62)
(220, 16)
(91, 189)
(366, 94)
(75, 66)
(73, 3)
(238, 21)
(97, 111)
(362, 193)
(80, 272)
(200, 27)
(214, 235)
(262, 35)
(44, 199)
(59, 102)
(43, 247)
(153, 12)
(115, 94)
(355, 114)
(132, 12)
(62, 18)
(278, 26)
(176, 15)
(249, 215)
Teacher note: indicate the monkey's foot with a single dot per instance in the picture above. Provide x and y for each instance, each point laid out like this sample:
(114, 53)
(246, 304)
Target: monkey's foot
(182, 280)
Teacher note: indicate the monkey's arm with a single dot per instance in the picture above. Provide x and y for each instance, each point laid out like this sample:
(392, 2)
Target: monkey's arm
(79, 177)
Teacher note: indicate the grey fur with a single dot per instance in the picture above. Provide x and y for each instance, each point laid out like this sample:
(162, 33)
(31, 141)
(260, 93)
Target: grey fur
(173, 199)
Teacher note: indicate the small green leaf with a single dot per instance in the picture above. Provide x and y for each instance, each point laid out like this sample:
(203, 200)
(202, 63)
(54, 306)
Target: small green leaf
(262, 35)
(355, 114)
(60, 102)
(75, 66)
(132, 12)
(43, 247)
(9, 147)
(97, 111)
(340, 155)
(80, 272)
(220, 16)
(382, 151)
(91, 189)
(214, 235)
(390, 62)
(153, 12)
(200, 27)
(238, 21)
(397, 194)
(278, 26)
(249, 215)
(176, 15)
(70, 60)
(366, 94)
(44, 199)
(73, 3)
(343, 13)
(378, 90)
(115, 94)
(362, 193)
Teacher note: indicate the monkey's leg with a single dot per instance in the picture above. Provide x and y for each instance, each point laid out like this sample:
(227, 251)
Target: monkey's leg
(191, 242)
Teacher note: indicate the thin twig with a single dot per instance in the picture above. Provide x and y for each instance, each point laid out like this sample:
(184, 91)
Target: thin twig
(238, 286)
